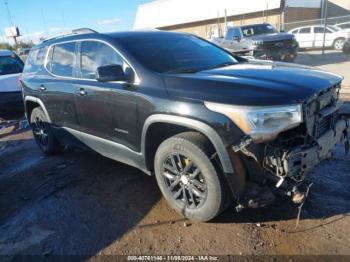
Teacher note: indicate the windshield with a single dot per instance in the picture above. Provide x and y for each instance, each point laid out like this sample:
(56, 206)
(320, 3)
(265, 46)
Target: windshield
(252, 30)
(334, 28)
(10, 65)
(175, 52)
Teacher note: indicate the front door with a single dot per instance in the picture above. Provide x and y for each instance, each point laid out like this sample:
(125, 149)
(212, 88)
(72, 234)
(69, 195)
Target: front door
(106, 110)
(319, 36)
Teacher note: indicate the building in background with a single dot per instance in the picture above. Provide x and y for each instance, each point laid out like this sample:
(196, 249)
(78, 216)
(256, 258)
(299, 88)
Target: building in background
(209, 18)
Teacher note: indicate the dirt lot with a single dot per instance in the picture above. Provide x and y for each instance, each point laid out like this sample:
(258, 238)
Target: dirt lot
(79, 203)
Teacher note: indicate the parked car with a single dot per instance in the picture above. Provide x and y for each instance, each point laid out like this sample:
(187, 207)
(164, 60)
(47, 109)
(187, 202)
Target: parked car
(313, 36)
(23, 51)
(11, 102)
(346, 48)
(204, 121)
(262, 41)
(344, 26)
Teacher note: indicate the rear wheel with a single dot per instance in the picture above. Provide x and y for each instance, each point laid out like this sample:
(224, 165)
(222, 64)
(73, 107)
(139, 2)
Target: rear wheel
(42, 132)
(188, 178)
(339, 44)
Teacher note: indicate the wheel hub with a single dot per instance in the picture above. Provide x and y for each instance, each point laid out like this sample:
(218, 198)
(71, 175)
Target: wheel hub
(184, 180)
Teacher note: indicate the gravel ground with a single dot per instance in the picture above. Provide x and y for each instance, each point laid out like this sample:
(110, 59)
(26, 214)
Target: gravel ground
(79, 203)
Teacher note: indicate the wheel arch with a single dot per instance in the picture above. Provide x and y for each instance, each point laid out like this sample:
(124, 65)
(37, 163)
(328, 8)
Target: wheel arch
(186, 124)
(32, 102)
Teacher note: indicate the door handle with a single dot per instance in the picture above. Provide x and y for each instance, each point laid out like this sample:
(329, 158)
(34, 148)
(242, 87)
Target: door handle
(42, 88)
(81, 92)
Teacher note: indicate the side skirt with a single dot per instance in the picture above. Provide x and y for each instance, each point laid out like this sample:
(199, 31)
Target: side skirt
(111, 150)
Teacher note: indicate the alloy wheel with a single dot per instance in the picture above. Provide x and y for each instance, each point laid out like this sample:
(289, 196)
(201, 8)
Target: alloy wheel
(40, 132)
(184, 180)
(339, 44)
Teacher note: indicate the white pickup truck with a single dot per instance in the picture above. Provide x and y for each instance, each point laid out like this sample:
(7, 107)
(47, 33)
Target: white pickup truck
(262, 41)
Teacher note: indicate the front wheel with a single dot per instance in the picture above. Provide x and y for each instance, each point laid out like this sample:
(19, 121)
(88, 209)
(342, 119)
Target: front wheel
(188, 179)
(42, 132)
(339, 44)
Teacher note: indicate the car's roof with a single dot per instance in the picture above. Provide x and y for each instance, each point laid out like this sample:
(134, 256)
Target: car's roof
(306, 26)
(115, 35)
(6, 52)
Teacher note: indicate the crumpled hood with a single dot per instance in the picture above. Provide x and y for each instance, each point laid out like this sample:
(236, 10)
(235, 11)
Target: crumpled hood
(272, 37)
(9, 83)
(259, 83)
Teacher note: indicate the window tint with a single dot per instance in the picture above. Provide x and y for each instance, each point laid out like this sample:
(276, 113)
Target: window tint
(169, 52)
(233, 32)
(252, 30)
(10, 65)
(95, 54)
(35, 60)
(305, 30)
(320, 30)
(63, 59)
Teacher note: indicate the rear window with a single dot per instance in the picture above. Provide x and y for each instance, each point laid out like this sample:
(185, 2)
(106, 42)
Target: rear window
(35, 60)
(61, 60)
(10, 65)
(344, 26)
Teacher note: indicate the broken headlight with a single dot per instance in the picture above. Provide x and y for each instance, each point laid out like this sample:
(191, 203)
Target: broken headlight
(261, 123)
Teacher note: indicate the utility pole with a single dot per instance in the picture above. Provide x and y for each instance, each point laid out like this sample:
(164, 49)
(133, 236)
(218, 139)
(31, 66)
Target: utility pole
(8, 13)
(325, 8)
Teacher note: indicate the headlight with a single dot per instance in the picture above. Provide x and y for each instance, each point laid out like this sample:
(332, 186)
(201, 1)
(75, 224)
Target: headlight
(261, 123)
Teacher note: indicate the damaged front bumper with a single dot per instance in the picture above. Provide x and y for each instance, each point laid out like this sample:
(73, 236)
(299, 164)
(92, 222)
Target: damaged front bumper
(296, 162)
(284, 161)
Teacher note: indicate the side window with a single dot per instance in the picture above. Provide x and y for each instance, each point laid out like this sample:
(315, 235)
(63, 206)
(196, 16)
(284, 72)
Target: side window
(95, 54)
(63, 59)
(295, 31)
(318, 30)
(35, 60)
(305, 30)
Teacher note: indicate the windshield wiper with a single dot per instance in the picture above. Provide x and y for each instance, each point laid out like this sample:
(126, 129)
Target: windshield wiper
(184, 70)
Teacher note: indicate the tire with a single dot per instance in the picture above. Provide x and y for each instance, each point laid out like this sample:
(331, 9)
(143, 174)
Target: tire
(338, 44)
(42, 132)
(205, 188)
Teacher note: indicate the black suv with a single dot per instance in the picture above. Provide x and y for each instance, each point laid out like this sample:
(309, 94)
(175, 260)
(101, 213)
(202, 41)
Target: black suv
(208, 124)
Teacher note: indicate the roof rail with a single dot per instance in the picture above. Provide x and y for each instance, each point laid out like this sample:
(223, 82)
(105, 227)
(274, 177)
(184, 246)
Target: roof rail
(74, 32)
(84, 31)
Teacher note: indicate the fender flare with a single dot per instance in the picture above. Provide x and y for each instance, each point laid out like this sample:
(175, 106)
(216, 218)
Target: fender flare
(40, 103)
(199, 126)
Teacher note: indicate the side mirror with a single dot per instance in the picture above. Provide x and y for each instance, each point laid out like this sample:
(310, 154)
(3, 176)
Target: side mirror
(110, 73)
(236, 38)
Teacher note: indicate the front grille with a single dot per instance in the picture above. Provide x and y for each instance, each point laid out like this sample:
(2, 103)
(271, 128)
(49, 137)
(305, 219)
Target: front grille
(317, 123)
(324, 125)
(278, 44)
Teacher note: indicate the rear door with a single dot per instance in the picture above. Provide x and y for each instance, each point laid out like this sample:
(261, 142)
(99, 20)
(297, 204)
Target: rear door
(319, 36)
(305, 37)
(58, 91)
(106, 110)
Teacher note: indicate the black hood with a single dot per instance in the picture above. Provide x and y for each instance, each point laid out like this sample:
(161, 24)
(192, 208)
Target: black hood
(272, 37)
(252, 83)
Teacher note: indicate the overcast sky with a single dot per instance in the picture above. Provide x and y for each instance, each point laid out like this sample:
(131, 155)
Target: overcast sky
(36, 18)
